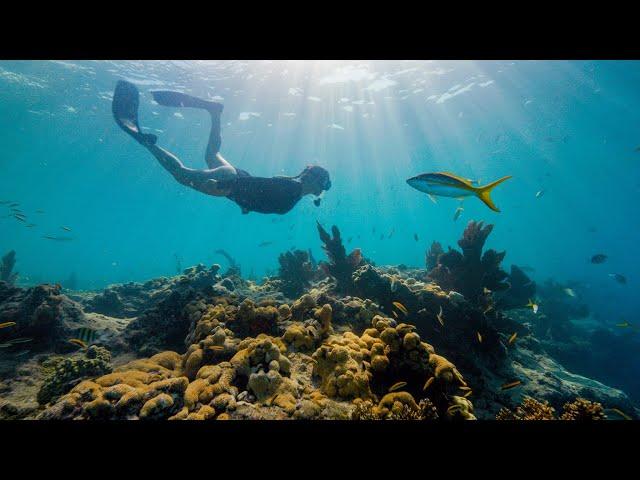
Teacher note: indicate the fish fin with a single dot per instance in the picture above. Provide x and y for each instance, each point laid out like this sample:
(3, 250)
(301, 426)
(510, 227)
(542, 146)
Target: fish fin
(484, 193)
(432, 198)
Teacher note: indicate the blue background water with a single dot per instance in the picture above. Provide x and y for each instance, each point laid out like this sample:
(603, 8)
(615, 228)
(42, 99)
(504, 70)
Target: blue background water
(568, 128)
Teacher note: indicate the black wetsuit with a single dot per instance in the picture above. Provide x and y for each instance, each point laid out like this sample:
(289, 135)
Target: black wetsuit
(263, 195)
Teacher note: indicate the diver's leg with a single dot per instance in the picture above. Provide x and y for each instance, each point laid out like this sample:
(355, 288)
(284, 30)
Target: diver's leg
(171, 163)
(126, 100)
(176, 99)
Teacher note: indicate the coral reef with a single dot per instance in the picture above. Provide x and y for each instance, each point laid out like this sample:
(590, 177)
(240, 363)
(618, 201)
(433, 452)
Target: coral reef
(556, 310)
(470, 272)
(296, 272)
(42, 314)
(531, 409)
(521, 289)
(64, 372)
(340, 266)
(583, 410)
(6, 268)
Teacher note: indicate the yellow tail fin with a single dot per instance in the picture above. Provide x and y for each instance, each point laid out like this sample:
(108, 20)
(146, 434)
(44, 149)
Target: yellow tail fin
(484, 193)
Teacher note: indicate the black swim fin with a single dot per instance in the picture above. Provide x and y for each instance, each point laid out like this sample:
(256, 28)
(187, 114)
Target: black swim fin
(167, 98)
(126, 100)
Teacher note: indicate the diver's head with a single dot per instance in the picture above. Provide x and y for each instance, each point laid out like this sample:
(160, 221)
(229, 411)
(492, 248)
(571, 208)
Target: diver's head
(314, 180)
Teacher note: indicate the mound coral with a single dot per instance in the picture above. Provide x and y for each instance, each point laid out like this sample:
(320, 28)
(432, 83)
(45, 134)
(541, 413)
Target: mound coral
(340, 266)
(296, 272)
(6, 268)
(145, 389)
(470, 272)
(64, 372)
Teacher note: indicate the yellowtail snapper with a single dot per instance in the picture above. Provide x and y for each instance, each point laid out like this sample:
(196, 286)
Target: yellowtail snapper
(446, 184)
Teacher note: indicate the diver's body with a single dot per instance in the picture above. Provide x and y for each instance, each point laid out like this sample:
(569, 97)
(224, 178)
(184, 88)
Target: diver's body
(221, 179)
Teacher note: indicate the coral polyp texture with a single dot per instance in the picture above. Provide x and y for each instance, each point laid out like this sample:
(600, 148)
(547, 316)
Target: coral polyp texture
(353, 341)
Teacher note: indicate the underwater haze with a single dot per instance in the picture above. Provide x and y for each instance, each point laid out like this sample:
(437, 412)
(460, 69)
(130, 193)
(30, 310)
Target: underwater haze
(566, 129)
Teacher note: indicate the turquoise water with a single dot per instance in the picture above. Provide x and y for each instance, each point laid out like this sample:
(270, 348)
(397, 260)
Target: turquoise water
(569, 129)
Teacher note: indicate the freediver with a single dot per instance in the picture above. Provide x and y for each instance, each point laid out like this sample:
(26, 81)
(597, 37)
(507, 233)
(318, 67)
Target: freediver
(258, 194)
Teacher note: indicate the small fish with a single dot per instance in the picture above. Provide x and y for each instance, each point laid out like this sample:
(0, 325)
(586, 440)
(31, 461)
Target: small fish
(510, 385)
(486, 291)
(415, 237)
(539, 194)
(449, 185)
(570, 292)
(468, 394)
(87, 335)
(512, 338)
(264, 244)
(487, 310)
(77, 341)
(619, 412)
(599, 258)
(216, 348)
(40, 211)
(57, 239)
(440, 317)
(66, 229)
(397, 386)
(456, 215)
(453, 408)
(534, 306)
(428, 383)
(464, 389)
(623, 325)
(394, 314)
(316, 202)
(401, 307)
(479, 337)
(7, 324)
(20, 217)
(14, 204)
(619, 278)
(16, 341)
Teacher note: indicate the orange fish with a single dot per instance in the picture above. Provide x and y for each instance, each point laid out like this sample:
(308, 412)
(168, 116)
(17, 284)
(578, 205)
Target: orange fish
(510, 385)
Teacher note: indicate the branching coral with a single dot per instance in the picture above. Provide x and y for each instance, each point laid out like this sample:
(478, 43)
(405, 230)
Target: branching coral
(296, 271)
(583, 410)
(470, 272)
(6, 268)
(395, 406)
(340, 266)
(431, 257)
(531, 409)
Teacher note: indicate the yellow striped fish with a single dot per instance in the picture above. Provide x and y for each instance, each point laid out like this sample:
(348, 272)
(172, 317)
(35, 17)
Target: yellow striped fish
(401, 307)
(86, 335)
(7, 324)
(78, 342)
(428, 383)
(512, 338)
(397, 386)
